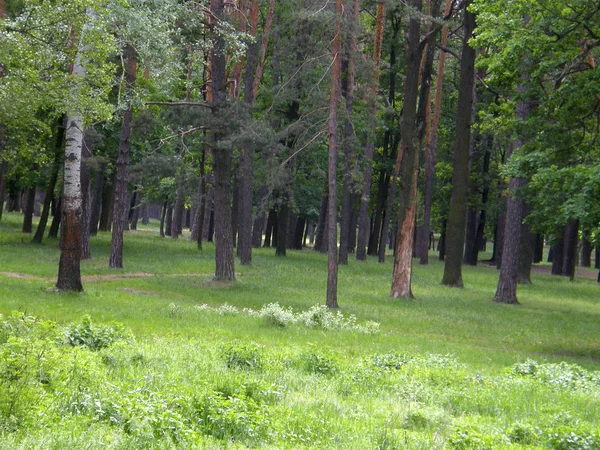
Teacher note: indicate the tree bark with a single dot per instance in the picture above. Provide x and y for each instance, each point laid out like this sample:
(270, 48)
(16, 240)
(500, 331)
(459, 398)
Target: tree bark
(455, 231)
(431, 148)
(506, 291)
(202, 206)
(222, 157)
(557, 254)
(108, 195)
(334, 98)
(135, 210)
(86, 250)
(348, 131)
(586, 252)
(41, 228)
(409, 157)
(363, 215)
(282, 226)
(526, 250)
(28, 211)
(96, 205)
(321, 232)
(271, 225)
(570, 251)
(163, 215)
(177, 223)
(121, 205)
(69, 272)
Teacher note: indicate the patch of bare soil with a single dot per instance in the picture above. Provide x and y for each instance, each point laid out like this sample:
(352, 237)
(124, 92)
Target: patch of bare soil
(137, 291)
(22, 276)
(580, 272)
(217, 283)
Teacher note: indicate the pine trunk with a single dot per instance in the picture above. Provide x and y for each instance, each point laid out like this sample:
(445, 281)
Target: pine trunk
(455, 230)
(586, 252)
(334, 98)
(348, 132)
(431, 149)
(121, 204)
(363, 215)
(409, 157)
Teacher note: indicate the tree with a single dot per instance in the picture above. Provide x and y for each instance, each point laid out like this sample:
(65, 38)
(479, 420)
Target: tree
(409, 157)
(121, 205)
(221, 153)
(455, 229)
(69, 274)
(363, 215)
(334, 98)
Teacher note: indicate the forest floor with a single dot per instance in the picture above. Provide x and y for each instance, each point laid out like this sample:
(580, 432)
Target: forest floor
(157, 355)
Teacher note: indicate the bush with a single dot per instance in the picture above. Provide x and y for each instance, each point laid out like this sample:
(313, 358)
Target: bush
(95, 337)
(243, 356)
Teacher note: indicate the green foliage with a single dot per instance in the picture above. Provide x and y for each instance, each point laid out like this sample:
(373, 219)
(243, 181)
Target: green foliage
(243, 356)
(94, 337)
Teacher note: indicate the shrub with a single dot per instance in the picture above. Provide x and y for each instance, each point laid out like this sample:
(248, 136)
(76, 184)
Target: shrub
(95, 337)
(243, 356)
(318, 362)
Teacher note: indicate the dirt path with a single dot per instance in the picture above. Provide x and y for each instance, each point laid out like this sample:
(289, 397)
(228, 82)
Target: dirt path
(107, 277)
(580, 272)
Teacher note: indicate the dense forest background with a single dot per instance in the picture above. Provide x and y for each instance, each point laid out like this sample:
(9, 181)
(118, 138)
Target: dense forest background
(404, 125)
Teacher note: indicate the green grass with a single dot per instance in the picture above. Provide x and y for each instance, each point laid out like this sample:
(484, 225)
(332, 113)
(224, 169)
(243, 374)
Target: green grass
(332, 393)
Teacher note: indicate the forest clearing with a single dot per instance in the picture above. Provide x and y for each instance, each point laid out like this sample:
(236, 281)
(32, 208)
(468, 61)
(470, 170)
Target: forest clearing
(189, 366)
(340, 224)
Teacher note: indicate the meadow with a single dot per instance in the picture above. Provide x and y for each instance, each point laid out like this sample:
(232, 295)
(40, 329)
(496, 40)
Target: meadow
(158, 355)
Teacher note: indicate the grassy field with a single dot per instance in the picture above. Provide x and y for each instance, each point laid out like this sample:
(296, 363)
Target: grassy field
(205, 365)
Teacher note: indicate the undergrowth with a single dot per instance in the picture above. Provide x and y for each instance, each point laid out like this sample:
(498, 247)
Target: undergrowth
(84, 385)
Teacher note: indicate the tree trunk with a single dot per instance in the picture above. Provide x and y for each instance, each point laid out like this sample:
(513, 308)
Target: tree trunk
(480, 233)
(28, 211)
(55, 225)
(409, 157)
(455, 231)
(222, 157)
(526, 250)
(299, 234)
(506, 291)
(260, 220)
(177, 222)
(321, 232)
(557, 254)
(271, 226)
(108, 195)
(135, 211)
(470, 257)
(348, 132)
(121, 205)
(202, 206)
(431, 148)
(96, 205)
(586, 252)
(282, 225)
(363, 215)
(69, 273)
(41, 228)
(163, 215)
(169, 221)
(570, 251)
(334, 98)
(86, 250)
(538, 255)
